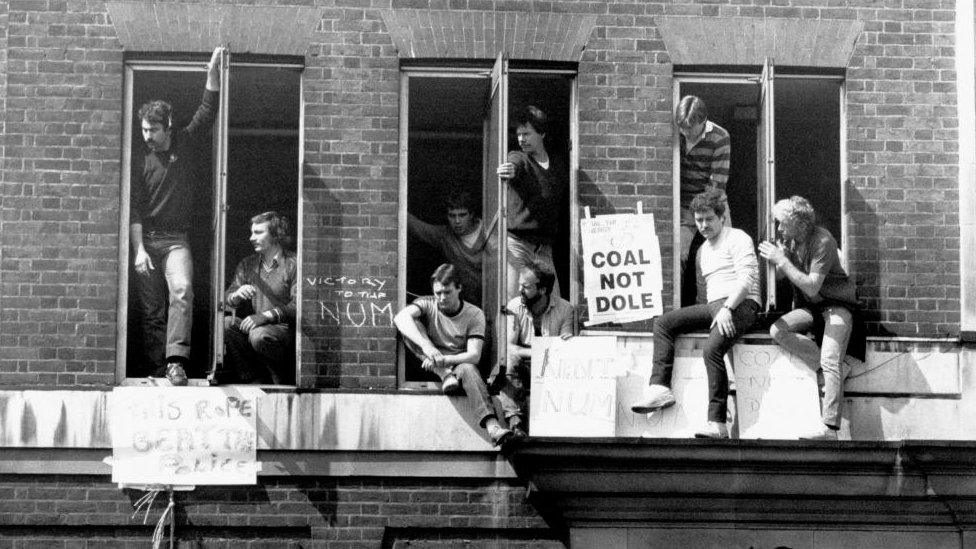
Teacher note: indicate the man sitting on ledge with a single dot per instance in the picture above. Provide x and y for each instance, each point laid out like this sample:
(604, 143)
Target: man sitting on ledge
(448, 334)
(729, 266)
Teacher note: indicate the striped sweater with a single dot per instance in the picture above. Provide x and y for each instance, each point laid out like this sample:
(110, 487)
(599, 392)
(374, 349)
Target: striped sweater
(706, 164)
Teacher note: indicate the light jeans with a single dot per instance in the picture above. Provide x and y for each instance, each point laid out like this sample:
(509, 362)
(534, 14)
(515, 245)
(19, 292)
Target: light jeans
(789, 332)
(166, 298)
(520, 253)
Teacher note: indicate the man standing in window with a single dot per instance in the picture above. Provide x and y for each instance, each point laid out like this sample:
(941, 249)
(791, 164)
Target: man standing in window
(535, 194)
(448, 335)
(705, 153)
(163, 187)
(259, 345)
(462, 242)
(536, 312)
(825, 303)
(731, 270)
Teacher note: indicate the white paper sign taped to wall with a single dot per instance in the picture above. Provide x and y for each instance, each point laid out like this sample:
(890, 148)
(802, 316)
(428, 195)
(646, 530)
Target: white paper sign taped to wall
(621, 268)
(776, 392)
(574, 387)
(184, 435)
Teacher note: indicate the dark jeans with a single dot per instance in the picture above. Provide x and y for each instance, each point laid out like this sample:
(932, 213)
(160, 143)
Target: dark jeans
(697, 317)
(513, 391)
(256, 356)
(166, 298)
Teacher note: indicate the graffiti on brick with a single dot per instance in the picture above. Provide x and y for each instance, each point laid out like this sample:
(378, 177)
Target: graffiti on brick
(352, 301)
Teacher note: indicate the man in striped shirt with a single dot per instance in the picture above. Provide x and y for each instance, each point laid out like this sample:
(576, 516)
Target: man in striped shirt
(705, 152)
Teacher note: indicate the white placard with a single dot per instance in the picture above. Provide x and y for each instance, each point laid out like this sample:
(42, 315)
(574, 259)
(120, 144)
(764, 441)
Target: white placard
(574, 387)
(621, 268)
(184, 435)
(777, 393)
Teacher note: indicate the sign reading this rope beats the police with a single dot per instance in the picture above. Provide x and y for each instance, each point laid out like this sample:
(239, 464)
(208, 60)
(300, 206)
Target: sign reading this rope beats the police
(621, 268)
(184, 435)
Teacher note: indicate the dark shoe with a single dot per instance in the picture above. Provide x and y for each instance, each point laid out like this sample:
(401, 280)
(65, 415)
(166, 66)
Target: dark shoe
(450, 386)
(656, 397)
(176, 374)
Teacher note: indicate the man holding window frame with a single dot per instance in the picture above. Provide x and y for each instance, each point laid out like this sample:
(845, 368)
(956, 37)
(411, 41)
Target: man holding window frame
(163, 187)
(705, 158)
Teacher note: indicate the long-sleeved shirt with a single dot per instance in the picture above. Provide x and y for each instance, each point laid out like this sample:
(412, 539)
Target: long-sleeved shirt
(466, 259)
(280, 281)
(728, 263)
(534, 198)
(706, 164)
(164, 184)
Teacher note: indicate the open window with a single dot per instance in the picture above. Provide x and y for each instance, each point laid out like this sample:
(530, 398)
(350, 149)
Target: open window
(249, 165)
(786, 129)
(455, 124)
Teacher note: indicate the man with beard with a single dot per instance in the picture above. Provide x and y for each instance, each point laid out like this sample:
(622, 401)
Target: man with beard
(448, 334)
(536, 188)
(728, 263)
(462, 242)
(163, 191)
(267, 281)
(535, 313)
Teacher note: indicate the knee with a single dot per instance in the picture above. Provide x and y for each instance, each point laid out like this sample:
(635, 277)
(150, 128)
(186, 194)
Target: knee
(466, 370)
(181, 288)
(261, 341)
(778, 331)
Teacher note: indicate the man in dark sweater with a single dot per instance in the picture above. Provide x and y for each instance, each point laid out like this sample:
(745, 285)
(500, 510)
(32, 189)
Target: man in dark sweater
(163, 186)
(536, 187)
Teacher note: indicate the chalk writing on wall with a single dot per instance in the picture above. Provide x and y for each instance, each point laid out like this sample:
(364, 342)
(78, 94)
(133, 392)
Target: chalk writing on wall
(352, 301)
(184, 435)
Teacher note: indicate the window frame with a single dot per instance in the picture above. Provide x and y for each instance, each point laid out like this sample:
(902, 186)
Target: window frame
(768, 196)
(480, 70)
(130, 68)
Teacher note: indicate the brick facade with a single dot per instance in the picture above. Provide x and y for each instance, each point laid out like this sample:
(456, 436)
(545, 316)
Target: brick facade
(60, 218)
(72, 511)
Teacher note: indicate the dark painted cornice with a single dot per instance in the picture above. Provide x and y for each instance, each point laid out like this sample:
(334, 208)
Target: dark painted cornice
(645, 482)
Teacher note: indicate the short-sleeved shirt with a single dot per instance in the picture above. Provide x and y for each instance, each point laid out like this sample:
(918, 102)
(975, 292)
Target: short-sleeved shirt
(450, 333)
(819, 255)
(556, 320)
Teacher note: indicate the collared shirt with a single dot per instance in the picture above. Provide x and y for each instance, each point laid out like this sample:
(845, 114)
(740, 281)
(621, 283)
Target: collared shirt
(556, 320)
(276, 286)
(706, 164)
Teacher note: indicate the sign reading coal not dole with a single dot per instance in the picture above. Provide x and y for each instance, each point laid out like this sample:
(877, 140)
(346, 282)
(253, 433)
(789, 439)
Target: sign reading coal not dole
(621, 268)
(574, 387)
(184, 435)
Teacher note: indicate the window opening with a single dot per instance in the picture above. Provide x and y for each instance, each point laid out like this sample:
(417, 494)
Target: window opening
(262, 143)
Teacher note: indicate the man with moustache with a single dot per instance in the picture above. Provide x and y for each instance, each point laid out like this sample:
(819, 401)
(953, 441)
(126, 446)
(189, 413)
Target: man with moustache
(728, 263)
(535, 313)
(163, 186)
(448, 335)
(462, 242)
(258, 345)
(536, 187)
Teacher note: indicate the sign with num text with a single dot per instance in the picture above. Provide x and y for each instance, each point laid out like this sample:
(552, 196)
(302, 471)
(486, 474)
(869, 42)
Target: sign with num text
(621, 268)
(574, 387)
(184, 435)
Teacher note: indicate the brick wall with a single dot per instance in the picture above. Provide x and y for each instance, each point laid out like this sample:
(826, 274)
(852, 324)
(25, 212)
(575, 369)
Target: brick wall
(59, 216)
(69, 511)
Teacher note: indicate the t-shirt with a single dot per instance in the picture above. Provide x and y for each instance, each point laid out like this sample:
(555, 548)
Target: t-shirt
(819, 255)
(450, 333)
(728, 262)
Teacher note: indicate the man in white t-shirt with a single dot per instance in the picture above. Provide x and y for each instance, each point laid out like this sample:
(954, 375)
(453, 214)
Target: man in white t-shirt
(729, 266)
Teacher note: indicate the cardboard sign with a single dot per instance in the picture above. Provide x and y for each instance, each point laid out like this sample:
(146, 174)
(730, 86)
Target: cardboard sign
(777, 393)
(621, 268)
(184, 435)
(574, 387)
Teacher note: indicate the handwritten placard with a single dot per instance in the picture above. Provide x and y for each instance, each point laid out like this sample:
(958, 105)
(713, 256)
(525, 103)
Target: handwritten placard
(777, 393)
(184, 435)
(621, 268)
(574, 387)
